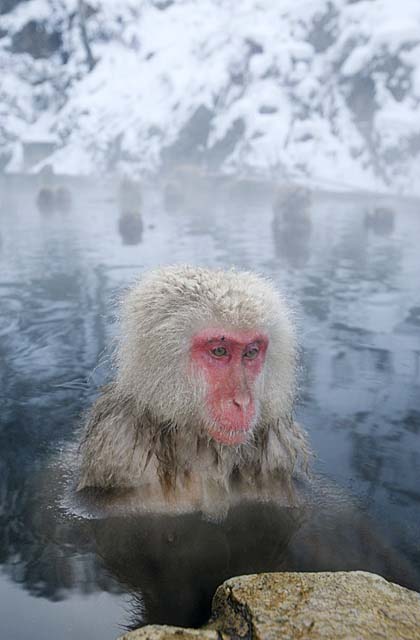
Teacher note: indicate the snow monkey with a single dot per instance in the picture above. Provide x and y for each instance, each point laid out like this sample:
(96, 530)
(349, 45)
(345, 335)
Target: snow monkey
(203, 393)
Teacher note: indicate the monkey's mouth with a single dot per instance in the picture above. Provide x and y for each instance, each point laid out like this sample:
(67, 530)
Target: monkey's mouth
(232, 425)
(230, 435)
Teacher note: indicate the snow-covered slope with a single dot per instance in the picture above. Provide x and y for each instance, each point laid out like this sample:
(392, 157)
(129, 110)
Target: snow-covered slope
(322, 89)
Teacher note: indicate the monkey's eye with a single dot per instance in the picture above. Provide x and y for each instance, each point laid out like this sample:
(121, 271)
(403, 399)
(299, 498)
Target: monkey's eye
(219, 352)
(251, 354)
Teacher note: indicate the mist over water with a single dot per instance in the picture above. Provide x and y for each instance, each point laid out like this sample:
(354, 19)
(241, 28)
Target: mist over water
(353, 279)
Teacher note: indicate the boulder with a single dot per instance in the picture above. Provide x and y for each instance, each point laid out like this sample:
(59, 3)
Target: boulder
(311, 606)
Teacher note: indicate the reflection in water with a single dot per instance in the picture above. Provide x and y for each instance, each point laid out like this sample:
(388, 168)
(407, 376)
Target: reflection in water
(175, 563)
(359, 310)
(130, 226)
(292, 225)
(63, 199)
(381, 220)
(292, 238)
(170, 565)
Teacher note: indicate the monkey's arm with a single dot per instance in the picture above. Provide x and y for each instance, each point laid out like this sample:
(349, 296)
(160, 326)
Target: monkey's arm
(111, 451)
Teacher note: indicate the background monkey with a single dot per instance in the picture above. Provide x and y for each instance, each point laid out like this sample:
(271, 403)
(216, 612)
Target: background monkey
(204, 389)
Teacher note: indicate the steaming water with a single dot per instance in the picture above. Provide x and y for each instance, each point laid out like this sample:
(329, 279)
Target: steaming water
(355, 285)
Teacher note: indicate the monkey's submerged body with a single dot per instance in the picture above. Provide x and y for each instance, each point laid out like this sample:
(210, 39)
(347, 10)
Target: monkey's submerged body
(201, 407)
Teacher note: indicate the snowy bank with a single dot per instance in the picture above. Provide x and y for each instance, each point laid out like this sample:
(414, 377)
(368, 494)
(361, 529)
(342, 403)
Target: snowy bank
(324, 90)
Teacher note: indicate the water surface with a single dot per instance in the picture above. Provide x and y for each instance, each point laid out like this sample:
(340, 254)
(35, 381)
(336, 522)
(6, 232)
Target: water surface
(355, 287)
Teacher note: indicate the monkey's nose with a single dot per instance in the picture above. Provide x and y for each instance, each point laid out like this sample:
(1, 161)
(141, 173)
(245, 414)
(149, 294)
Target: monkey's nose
(241, 400)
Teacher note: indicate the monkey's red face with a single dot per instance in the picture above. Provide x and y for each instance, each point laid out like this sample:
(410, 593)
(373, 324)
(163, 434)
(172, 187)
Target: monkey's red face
(231, 363)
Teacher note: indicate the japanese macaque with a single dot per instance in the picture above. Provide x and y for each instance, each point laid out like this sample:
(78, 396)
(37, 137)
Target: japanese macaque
(45, 200)
(49, 200)
(187, 187)
(292, 225)
(201, 406)
(292, 203)
(130, 223)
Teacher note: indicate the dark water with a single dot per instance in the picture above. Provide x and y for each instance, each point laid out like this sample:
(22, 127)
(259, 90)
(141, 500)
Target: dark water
(355, 283)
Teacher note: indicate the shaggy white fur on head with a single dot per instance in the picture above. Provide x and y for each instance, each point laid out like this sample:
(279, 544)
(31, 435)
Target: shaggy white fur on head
(162, 313)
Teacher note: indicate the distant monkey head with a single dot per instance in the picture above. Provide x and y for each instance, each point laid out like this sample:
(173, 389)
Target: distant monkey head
(212, 351)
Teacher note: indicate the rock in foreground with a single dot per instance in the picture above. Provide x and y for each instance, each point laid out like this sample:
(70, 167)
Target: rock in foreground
(311, 606)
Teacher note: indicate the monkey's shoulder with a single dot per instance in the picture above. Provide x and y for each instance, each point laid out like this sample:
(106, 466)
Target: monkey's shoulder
(109, 450)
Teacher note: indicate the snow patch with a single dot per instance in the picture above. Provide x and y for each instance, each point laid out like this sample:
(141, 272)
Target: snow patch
(327, 92)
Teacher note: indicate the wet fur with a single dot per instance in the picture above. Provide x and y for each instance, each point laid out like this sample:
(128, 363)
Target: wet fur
(148, 428)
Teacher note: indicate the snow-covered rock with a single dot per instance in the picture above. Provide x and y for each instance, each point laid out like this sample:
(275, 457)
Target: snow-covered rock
(323, 90)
